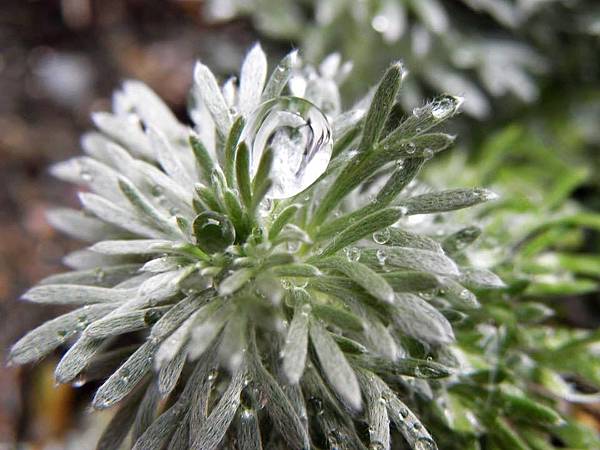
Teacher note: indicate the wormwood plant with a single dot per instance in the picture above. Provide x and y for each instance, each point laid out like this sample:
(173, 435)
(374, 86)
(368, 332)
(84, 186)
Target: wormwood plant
(253, 281)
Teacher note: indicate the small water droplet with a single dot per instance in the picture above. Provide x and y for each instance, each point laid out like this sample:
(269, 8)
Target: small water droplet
(293, 246)
(404, 412)
(464, 294)
(78, 382)
(306, 309)
(428, 153)
(382, 236)
(317, 404)
(410, 147)
(213, 374)
(381, 257)
(157, 190)
(124, 373)
(403, 210)
(301, 139)
(247, 414)
(426, 295)
(85, 174)
(352, 253)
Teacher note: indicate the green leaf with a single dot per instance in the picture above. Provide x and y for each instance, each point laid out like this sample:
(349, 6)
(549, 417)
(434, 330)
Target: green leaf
(77, 358)
(42, 340)
(295, 349)
(235, 281)
(125, 322)
(335, 366)
(410, 258)
(262, 182)
(282, 219)
(117, 429)
(208, 88)
(296, 270)
(449, 200)
(411, 281)
(279, 408)
(396, 183)
(364, 227)
(381, 105)
(231, 144)
(376, 413)
(252, 79)
(405, 420)
(369, 280)
(72, 294)
(425, 118)
(417, 318)
(338, 317)
(248, 430)
(280, 76)
(412, 367)
(518, 406)
(126, 378)
(242, 171)
(213, 430)
(142, 205)
(203, 157)
(146, 412)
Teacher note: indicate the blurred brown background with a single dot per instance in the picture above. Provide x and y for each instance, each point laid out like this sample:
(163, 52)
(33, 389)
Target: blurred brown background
(60, 60)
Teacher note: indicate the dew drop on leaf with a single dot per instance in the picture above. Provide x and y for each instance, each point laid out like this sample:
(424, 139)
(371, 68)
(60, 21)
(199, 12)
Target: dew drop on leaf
(352, 253)
(381, 257)
(382, 236)
(410, 148)
(306, 309)
(445, 106)
(301, 139)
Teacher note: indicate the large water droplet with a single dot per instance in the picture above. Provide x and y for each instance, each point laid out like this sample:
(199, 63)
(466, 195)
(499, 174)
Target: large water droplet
(444, 106)
(301, 139)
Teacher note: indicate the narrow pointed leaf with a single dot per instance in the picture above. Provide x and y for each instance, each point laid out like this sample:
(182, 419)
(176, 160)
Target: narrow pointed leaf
(335, 366)
(295, 349)
(39, 342)
(371, 281)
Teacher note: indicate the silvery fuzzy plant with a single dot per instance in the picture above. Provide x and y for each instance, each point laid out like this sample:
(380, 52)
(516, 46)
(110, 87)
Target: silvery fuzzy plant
(251, 284)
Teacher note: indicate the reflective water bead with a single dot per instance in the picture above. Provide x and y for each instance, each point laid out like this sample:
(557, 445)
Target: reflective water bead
(381, 257)
(410, 147)
(306, 309)
(445, 106)
(301, 139)
(352, 253)
(382, 236)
